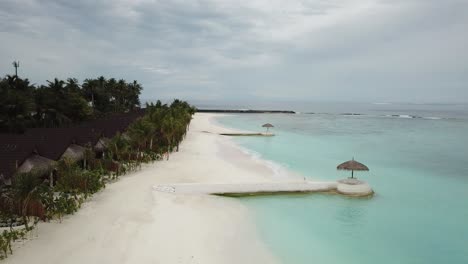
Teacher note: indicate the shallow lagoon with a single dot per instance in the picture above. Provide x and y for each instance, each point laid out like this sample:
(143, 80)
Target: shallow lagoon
(418, 170)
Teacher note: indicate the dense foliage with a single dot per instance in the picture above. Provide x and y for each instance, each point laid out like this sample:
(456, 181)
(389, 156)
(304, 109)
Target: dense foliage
(147, 139)
(59, 103)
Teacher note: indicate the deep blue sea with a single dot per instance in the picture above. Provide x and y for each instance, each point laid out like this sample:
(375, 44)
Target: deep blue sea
(418, 160)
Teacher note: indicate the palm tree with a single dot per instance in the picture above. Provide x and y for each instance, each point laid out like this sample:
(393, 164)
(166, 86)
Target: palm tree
(89, 156)
(16, 104)
(167, 131)
(155, 115)
(56, 86)
(88, 89)
(134, 92)
(118, 146)
(141, 132)
(51, 100)
(179, 132)
(112, 93)
(72, 85)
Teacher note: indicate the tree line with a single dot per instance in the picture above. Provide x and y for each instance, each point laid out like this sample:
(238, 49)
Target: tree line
(149, 138)
(62, 102)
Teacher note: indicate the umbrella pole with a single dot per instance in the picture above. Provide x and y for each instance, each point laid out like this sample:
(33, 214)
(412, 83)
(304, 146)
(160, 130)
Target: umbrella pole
(352, 174)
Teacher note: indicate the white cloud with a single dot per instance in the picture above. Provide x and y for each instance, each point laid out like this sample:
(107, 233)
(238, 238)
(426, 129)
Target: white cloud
(259, 48)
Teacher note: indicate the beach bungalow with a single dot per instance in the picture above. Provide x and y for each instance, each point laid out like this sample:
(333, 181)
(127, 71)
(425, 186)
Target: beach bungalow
(20, 154)
(67, 143)
(40, 148)
(74, 153)
(38, 163)
(14, 150)
(109, 127)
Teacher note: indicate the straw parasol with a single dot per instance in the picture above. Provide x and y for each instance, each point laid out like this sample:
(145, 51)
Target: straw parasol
(268, 126)
(352, 166)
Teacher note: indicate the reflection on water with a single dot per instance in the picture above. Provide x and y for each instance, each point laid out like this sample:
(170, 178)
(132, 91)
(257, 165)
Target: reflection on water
(351, 216)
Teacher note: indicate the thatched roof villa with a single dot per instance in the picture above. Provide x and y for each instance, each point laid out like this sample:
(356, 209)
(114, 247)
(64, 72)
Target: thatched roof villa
(41, 148)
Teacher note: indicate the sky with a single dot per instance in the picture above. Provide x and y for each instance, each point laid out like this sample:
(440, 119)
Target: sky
(265, 50)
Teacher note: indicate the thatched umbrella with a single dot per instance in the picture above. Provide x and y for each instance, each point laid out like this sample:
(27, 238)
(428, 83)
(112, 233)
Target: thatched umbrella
(268, 126)
(352, 166)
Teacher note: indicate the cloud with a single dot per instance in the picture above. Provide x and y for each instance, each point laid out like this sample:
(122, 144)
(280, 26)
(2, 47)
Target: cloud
(258, 49)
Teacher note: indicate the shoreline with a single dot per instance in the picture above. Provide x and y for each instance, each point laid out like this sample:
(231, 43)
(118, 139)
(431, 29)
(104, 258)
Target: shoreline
(245, 111)
(129, 222)
(280, 172)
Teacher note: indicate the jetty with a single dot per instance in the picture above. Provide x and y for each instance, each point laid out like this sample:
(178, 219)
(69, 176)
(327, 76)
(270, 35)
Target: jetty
(245, 111)
(247, 134)
(350, 188)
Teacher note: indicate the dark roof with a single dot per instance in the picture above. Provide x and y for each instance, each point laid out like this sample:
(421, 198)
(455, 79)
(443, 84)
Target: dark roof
(51, 143)
(111, 125)
(14, 149)
(36, 163)
(76, 135)
(74, 152)
(84, 136)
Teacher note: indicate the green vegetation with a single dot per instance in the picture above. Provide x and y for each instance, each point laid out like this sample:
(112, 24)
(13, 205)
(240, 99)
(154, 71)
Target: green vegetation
(23, 105)
(147, 139)
(8, 237)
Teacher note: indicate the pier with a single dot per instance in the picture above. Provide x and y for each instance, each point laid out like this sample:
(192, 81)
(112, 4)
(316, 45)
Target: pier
(355, 188)
(247, 134)
(245, 111)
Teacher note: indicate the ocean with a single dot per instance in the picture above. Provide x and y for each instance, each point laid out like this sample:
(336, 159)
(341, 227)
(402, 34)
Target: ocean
(418, 160)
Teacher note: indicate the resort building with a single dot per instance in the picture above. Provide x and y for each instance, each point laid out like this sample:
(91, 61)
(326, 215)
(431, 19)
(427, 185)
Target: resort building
(40, 149)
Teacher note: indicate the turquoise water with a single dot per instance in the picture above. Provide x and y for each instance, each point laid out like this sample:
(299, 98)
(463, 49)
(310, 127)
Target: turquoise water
(418, 168)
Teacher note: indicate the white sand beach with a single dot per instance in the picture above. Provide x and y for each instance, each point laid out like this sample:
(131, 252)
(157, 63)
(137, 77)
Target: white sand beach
(130, 222)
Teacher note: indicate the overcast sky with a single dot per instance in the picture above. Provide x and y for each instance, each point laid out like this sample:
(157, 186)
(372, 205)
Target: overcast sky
(338, 50)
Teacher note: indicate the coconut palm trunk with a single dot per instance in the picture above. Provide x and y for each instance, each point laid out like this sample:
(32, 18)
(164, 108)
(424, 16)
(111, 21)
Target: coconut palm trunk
(168, 151)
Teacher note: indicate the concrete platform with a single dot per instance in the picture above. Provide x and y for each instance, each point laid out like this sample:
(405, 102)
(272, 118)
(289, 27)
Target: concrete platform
(248, 134)
(354, 187)
(249, 189)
